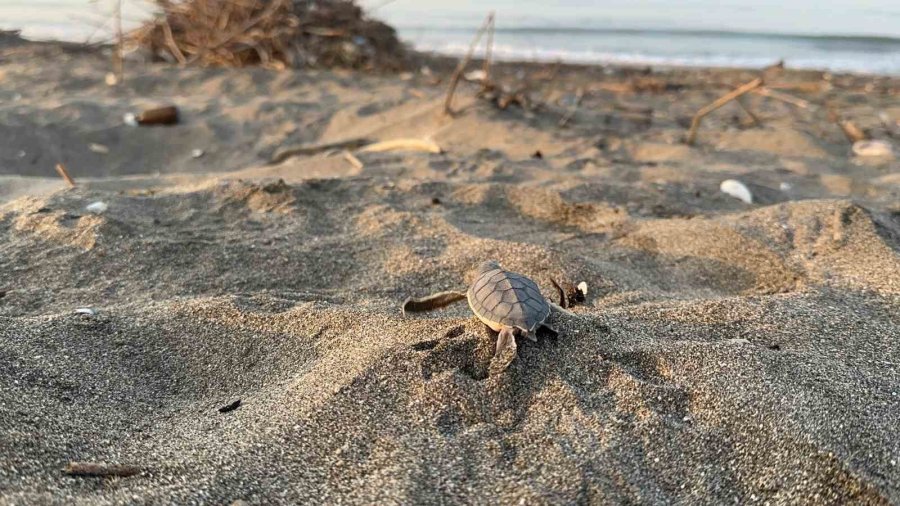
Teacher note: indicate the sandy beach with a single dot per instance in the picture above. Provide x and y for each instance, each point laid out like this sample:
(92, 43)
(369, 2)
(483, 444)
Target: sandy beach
(727, 352)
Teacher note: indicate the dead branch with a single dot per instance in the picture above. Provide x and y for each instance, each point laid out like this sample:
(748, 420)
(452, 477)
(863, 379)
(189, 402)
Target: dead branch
(783, 97)
(719, 102)
(753, 117)
(354, 161)
(61, 170)
(283, 154)
(488, 50)
(457, 74)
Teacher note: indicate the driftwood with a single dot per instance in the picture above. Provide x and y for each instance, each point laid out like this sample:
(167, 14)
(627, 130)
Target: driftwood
(61, 170)
(283, 154)
(719, 102)
(100, 470)
(853, 132)
(457, 74)
(422, 145)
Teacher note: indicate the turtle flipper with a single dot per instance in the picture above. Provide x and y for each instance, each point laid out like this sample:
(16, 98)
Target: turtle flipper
(435, 301)
(552, 332)
(505, 352)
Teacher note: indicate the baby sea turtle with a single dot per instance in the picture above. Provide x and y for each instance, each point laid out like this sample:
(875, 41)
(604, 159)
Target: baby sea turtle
(509, 303)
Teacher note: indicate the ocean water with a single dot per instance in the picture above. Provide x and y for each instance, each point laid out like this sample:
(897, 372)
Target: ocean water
(837, 35)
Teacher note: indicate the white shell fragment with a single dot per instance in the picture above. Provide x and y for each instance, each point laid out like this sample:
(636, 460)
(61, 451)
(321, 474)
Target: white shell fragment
(475, 75)
(785, 187)
(86, 310)
(197, 153)
(98, 207)
(98, 148)
(737, 190)
(872, 149)
(582, 287)
(130, 119)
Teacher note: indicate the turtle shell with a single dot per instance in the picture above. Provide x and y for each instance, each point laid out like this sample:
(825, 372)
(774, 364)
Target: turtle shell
(501, 298)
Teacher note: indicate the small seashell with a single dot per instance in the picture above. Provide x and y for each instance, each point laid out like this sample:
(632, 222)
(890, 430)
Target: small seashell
(86, 310)
(98, 207)
(475, 75)
(872, 149)
(582, 287)
(197, 153)
(98, 148)
(737, 190)
(130, 119)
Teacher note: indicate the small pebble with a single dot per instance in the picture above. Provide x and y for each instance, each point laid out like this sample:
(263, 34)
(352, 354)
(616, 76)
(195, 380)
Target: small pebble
(197, 153)
(86, 311)
(130, 119)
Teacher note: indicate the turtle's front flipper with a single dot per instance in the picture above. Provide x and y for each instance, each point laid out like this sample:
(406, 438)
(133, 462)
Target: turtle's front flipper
(505, 352)
(435, 301)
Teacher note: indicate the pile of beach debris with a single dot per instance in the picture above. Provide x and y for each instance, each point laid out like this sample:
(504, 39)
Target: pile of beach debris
(270, 33)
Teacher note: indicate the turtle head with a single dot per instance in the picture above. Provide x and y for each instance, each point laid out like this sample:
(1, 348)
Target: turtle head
(490, 265)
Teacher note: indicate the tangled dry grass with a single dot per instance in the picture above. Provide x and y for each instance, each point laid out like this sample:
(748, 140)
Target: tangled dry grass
(271, 33)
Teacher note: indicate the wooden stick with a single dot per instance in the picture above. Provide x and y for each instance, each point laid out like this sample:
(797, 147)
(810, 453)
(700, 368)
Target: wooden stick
(61, 170)
(272, 7)
(119, 54)
(853, 133)
(170, 41)
(354, 161)
(719, 102)
(311, 149)
(457, 74)
(488, 50)
(95, 469)
(579, 94)
(784, 97)
(746, 108)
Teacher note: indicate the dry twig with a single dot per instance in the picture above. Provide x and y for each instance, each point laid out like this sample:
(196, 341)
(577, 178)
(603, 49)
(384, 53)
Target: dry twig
(457, 74)
(719, 102)
(61, 170)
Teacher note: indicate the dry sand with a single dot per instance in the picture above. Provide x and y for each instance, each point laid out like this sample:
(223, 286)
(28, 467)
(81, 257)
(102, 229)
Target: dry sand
(727, 352)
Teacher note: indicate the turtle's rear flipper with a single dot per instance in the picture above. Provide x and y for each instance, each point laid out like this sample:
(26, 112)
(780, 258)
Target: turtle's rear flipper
(435, 301)
(549, 331)
(505, 352)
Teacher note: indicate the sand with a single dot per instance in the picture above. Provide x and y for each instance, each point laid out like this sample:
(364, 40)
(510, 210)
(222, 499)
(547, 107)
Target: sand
(726, 353)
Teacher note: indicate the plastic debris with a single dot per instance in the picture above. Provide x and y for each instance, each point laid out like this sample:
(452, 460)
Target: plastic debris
(737, 190)
(98, 207)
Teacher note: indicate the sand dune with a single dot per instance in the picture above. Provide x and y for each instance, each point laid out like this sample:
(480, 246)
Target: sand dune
(727, 352)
